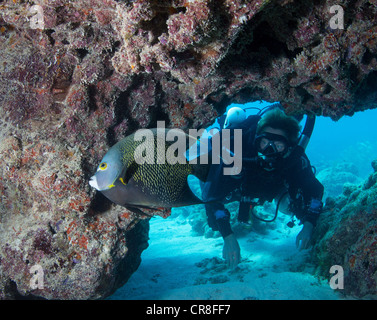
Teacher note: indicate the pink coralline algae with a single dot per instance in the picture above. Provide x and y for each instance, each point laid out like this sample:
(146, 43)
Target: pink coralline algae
(84, 74)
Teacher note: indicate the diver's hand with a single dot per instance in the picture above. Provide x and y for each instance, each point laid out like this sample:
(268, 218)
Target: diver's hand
(231, 251)
(303, 238)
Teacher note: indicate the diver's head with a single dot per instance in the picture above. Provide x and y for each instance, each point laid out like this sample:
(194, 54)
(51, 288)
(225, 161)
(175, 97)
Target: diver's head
(276, 136)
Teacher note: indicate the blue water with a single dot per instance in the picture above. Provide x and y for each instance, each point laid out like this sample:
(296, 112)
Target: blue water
(351, 139)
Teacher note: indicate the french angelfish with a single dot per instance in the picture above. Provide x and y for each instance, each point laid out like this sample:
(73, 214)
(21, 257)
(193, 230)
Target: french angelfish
(124, 181)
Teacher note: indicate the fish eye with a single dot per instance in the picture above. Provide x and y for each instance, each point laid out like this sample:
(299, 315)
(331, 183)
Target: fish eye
(103, 166)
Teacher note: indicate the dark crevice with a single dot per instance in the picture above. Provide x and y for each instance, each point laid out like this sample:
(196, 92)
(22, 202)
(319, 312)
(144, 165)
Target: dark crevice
(81, 53)
(304, 95)
(51, 229)
(49, 33)
(88, 31)
(99, 204)
(112, 50)
(74, 25)
(328, 89)
(353, 73)
(122, 110)
(158, 24)
(157, 113)
(11, 293)
(368, 86)
(367, 57)
(262, 40)
(92, 101)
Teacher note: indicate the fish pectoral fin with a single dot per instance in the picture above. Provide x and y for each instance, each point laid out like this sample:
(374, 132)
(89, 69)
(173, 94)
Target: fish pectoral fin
(195, 185)
(128, 172)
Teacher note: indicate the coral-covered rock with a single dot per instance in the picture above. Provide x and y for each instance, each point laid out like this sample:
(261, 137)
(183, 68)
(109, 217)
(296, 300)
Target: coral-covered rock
(77, 76)
(346, 235)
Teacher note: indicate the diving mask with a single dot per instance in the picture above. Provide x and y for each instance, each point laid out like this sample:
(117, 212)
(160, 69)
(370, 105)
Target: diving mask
(271, 149)
(270, 143)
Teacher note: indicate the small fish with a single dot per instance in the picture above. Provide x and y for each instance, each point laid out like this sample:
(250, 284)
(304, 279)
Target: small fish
(124, 179)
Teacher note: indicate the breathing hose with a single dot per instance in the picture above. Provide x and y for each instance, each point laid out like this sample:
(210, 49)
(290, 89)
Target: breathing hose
(276, 210)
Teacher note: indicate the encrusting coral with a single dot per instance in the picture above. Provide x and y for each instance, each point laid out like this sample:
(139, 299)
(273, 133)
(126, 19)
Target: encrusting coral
(347, 236)
(77, 76)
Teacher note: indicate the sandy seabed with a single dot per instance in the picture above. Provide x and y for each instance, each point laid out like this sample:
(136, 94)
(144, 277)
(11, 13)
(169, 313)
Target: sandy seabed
(180, 266)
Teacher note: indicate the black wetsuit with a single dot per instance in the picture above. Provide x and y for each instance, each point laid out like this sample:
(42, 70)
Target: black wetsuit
(294, 174)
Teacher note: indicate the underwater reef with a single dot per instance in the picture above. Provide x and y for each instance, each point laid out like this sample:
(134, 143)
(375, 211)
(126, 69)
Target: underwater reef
(346, 235)
(77, 76)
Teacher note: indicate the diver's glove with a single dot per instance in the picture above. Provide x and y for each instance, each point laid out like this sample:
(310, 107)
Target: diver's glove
(304, 236)
(231, 251)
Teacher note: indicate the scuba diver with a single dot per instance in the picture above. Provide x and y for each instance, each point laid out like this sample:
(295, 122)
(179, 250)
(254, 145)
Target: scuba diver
(274, 167)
